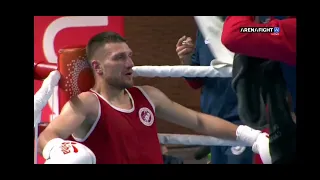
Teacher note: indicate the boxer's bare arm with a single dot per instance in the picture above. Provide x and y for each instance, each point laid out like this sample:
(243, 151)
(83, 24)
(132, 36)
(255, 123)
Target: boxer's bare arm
(178, 114)
(71, 117)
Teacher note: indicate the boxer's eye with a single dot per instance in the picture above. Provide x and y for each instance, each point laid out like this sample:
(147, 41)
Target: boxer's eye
(119, 57)
(122, 56)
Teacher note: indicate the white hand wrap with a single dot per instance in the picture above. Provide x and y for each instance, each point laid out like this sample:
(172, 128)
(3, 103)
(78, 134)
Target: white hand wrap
(247, 135)
(258, 140)
(59, 151)
(261, 146)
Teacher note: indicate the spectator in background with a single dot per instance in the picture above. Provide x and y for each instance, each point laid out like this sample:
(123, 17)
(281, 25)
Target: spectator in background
(168, 159)
(209, 159)
(164, 149)
(217, 97)
(202, 152)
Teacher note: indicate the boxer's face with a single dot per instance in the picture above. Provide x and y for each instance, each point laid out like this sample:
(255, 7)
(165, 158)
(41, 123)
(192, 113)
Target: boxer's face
(117, 65)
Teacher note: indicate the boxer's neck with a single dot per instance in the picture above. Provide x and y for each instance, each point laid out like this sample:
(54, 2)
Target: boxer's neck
(113, 94)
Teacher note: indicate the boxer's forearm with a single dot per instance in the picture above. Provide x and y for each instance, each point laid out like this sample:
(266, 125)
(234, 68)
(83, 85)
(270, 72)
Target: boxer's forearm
(215, 126)
(44, 138)
(223, 129)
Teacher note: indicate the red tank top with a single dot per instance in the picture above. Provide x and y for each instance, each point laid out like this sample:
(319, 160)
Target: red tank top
(125, 136)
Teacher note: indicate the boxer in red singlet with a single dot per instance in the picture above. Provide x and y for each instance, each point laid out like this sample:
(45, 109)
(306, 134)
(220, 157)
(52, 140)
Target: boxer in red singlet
(115, 122)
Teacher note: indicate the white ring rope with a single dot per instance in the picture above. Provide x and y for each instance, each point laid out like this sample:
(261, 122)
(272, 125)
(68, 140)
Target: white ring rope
(45, 92)
(182, 71)
(186, 139)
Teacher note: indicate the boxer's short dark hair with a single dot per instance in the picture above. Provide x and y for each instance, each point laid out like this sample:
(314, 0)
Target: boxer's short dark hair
(99, 40)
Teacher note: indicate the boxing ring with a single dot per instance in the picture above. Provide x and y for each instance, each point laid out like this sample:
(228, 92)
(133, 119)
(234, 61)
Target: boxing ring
(72, 74)
(72, 70)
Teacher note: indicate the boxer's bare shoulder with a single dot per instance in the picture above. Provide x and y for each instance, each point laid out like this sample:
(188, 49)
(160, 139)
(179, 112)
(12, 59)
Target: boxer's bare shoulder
(90, 105)
(75, 115)
(154, 94)
(87, 100)
(86, 103)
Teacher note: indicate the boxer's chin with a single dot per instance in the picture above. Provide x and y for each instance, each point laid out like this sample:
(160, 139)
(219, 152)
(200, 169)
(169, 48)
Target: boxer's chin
(128, 84)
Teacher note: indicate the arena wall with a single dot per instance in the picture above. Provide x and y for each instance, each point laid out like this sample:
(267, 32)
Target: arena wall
(153, 40)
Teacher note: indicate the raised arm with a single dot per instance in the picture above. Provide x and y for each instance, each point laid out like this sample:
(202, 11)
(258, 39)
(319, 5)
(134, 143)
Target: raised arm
(280, 47)
(196, 82)
(188, 55)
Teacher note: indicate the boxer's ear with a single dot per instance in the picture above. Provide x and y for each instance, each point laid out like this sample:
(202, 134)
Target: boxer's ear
(97, 67)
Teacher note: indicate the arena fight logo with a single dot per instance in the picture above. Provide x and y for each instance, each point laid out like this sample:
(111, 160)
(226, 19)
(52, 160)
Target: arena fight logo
(52, 33)
(146, 116)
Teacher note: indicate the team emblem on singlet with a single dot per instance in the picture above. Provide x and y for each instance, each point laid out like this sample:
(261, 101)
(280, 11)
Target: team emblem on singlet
(146, 116)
